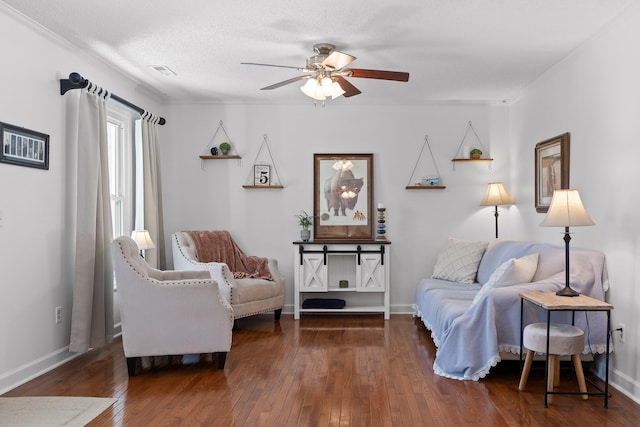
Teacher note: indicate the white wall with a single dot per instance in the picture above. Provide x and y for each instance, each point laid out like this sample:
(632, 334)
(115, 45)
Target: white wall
(35, 274)
(262, 221)
(594, 95)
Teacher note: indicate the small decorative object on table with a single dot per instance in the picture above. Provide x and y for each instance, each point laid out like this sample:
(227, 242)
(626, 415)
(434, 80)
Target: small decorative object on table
(380, 232)
(225, 147)
(305, 221)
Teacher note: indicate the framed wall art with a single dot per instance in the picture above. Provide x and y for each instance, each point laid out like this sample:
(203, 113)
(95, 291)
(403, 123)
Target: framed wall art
(343, 197)
(261, 175)
(552, 169)
(24, 147)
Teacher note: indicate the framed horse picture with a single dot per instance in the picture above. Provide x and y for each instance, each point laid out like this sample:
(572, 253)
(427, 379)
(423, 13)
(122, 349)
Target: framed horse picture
(343, 197)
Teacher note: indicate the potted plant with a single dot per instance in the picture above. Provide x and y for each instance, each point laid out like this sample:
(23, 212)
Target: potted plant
(224, 148)
(305, 221)
(475, 153)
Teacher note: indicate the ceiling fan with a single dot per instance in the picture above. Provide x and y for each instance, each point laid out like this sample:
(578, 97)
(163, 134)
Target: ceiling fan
(325, 73)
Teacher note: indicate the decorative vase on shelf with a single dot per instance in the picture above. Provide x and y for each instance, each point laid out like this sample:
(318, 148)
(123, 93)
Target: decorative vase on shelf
(305, 235)
(214, 151)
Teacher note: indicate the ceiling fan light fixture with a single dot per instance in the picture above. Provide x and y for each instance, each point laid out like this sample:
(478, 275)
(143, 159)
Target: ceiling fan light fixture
(327, 86)
(337, 90)
(309, 88)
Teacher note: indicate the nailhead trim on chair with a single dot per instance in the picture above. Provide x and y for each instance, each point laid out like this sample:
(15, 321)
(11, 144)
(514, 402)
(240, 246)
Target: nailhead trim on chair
(186, 281)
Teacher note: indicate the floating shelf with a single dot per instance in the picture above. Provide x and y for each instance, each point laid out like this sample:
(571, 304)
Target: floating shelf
(262, 186)
(425, 187)
(487, 159)
(232, 156)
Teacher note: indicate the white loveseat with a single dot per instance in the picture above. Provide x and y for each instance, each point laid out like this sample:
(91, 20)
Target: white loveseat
(247, 296)
(477, 323)
(166, 313)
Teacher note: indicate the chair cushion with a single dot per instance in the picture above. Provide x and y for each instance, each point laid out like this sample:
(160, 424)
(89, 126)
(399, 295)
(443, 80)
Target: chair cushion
(248, 290)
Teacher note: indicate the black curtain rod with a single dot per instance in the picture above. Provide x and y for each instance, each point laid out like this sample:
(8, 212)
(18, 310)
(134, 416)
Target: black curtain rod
(76, 81)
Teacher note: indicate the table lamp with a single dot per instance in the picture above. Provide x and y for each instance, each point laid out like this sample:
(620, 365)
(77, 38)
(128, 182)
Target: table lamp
(496, 195)
(566, 210)
(143, 240)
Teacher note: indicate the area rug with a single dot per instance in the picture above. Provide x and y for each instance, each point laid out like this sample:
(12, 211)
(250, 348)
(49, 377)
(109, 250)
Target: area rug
(51, 411)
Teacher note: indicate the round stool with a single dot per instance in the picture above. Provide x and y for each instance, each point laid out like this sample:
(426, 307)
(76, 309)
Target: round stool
(564, 340)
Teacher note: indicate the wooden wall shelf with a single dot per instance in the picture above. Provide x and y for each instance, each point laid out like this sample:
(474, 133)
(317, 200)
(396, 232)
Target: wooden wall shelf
(262, 186)
(425, 187)
(488, 159)
(231, 156)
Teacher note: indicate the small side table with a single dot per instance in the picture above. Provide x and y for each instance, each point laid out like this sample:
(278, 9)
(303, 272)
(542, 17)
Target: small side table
(549, 301)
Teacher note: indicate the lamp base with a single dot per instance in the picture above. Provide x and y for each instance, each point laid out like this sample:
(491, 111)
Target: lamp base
(567, 292)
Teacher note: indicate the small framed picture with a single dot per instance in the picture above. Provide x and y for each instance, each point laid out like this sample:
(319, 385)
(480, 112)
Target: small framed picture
(551, 169)
(261, 175)
(24, 147)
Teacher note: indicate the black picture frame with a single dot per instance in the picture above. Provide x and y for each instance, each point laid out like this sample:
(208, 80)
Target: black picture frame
(343, 197)
(552, 169)
(24, 147)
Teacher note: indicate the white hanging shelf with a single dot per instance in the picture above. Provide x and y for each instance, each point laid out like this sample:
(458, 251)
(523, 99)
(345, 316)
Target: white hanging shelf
(265, 175)
(426, 183)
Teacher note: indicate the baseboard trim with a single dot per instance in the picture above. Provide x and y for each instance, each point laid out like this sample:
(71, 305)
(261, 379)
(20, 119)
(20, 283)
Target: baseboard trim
(34, 369)
(624, 384)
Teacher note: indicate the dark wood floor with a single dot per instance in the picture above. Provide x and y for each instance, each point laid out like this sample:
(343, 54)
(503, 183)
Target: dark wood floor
(321, 371)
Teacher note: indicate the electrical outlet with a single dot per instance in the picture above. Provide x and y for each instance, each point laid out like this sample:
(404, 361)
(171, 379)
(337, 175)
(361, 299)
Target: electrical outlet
(621, 330)
(58, 314)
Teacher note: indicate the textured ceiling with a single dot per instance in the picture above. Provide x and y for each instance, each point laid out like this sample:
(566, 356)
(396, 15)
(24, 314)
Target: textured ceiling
(455, 50)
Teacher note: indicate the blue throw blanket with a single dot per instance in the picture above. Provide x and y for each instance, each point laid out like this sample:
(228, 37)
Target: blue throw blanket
(470, 339)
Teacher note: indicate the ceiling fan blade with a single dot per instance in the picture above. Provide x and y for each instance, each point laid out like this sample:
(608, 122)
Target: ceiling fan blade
(348, 88)
(398, 76)
(285, 82)
(272, 65)
(338, 60)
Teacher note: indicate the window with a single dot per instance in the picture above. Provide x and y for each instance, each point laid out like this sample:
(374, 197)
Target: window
(121, 184)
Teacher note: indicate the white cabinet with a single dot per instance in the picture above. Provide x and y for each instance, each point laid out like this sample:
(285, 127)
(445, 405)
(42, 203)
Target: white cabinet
(357, 273)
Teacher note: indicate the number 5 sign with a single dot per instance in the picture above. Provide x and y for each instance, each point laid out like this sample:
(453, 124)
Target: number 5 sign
(261, 175)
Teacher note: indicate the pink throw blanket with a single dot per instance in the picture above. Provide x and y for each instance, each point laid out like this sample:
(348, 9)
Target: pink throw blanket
(218, 246)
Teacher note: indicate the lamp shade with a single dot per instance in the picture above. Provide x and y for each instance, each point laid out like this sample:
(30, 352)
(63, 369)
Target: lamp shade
(566, 210)
(496, 195)
(142, 239)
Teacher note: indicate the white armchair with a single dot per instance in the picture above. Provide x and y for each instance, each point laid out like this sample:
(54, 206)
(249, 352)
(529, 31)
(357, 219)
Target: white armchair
(247, 296)
(168, 312)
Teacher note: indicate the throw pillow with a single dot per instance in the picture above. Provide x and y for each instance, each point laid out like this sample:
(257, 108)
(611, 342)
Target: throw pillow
(511, 272)
(459, 261)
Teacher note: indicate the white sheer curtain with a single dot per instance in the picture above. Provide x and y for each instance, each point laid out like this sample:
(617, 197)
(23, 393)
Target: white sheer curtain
(92, 311)
(152, 190)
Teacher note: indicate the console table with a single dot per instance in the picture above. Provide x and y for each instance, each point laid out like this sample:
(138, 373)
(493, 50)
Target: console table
(549, 301)
(355, 271)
